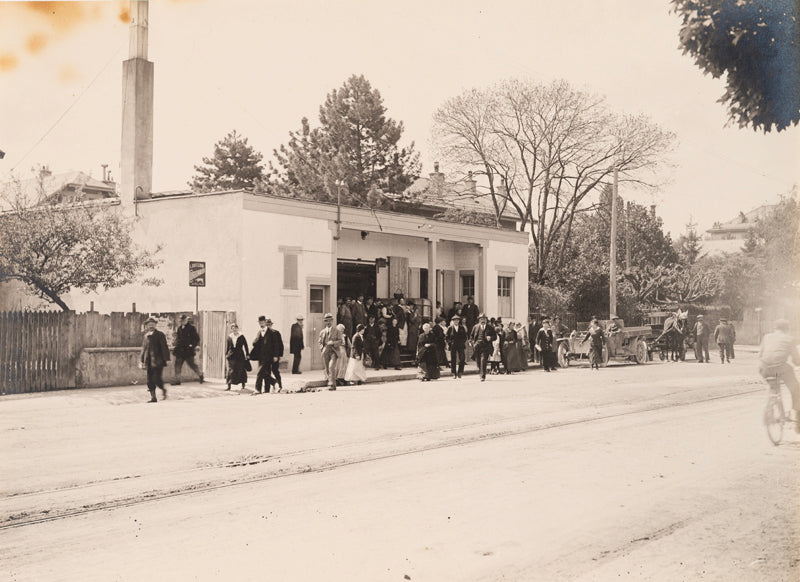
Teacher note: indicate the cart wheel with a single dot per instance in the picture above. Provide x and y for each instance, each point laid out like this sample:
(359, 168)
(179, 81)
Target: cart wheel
(640, 356)
(605, 357)
(563, 356)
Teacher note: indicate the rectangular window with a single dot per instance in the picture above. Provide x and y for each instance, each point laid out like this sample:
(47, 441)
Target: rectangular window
(316, 300)
(505, 304)
(468, 285)
(290, 271)
(423, 283)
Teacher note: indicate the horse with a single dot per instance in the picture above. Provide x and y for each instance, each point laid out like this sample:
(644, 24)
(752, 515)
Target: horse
(674, 335)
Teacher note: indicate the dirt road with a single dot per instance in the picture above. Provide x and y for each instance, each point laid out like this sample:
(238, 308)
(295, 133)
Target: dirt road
(654, 472)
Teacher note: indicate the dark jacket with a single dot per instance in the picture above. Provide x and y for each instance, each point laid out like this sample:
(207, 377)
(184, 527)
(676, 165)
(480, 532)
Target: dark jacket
(155, 353)
(482, 339)
(359, 313)
(296, 343)
(358, 347)
(470, 313)
(545, 340)
(238, 352)
(456, 337)
(266, 347)
(186, 339)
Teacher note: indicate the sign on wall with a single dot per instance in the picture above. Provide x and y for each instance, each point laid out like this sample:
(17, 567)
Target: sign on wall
(197, 274)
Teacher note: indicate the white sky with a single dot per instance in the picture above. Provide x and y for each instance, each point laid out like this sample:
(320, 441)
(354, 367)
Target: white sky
(259, 66)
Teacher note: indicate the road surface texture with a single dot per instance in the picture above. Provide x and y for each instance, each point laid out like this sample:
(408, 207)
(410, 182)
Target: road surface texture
(660, 471)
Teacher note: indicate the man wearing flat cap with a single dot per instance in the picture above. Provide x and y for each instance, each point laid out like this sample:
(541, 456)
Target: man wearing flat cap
(330, 340)
(456, 338)
(482, 336)
(296, 343)
(154, 357)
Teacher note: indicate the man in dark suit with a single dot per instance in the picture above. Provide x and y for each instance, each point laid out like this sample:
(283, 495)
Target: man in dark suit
(296, 343)
(372, 340)
(470, 313)
(482, 336)
(359, 312)
(186, 340)
(154, 357)
(268, 347)
(456, 338)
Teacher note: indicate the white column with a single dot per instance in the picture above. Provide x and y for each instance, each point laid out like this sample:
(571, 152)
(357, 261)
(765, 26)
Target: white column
(432, 272)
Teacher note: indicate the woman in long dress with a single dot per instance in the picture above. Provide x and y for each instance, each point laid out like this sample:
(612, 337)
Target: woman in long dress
(390, 356)
(356, 371)
(236, 354)
(510, 349)
(427, 355)
(523, 346)
(596, 338)
(495, 357)
(344, 353)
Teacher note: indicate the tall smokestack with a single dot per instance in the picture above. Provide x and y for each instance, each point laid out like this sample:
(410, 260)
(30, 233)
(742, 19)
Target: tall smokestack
(136, 162)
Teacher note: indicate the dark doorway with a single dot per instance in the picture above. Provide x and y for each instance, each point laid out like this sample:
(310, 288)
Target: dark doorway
(354, 278)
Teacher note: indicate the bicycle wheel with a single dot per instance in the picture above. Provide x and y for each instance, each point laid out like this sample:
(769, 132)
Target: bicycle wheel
(773, 419)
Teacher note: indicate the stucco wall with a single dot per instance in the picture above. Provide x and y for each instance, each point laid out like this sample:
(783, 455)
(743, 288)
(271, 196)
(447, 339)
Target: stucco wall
(507, 259)
(197, 228)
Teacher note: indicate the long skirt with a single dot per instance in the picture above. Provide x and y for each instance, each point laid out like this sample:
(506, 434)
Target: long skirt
(341, 363)
(355, 371)
(237, 374)
(403, 332)
(595, 355)
(390, 357)
(512, 357)
(429, 366)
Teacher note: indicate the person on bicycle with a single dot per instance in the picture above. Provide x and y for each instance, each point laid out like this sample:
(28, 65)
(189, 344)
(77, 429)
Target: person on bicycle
(776, 348)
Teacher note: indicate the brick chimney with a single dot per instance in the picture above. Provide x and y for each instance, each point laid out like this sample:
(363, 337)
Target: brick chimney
(437, 179)
(136, 161)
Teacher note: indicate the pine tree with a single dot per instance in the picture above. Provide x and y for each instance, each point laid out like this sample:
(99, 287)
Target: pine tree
(689, 245)
(235, 165)
(353, 151)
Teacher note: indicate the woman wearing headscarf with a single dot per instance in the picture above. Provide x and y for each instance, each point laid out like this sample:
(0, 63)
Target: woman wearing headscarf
(356, 372)
(236, 354)
(523, 345)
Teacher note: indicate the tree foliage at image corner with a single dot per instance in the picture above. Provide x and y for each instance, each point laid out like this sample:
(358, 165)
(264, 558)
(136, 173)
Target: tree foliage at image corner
(53, 249)
(756, 44)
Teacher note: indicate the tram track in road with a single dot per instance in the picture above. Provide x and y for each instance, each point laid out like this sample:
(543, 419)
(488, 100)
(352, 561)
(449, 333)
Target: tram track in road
(304, 461)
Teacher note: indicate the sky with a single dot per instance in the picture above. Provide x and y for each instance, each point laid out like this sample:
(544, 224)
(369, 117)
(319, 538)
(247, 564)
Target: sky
(259, 66)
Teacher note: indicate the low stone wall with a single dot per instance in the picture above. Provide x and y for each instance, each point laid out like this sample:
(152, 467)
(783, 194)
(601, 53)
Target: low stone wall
(99, 367)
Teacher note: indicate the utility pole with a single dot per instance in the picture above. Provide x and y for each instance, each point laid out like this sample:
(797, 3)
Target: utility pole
(612, 265)
(628, 236)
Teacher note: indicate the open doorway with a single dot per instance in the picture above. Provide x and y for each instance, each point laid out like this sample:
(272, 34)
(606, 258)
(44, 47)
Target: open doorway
(354, 278)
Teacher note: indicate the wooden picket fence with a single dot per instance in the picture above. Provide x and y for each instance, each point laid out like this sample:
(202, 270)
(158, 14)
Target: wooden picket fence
(39, 350)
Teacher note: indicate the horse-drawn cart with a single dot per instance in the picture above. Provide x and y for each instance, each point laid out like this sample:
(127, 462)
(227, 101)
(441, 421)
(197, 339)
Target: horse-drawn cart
(628, 343)
(669, 336)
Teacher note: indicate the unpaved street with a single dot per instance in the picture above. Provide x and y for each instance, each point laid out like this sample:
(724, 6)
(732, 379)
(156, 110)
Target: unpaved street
(655, 472)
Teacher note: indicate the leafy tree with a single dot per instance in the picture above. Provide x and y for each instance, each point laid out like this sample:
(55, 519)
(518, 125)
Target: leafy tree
(353, 151)
(235, 165)
(753, 43)
(54, 249)
(544, 151)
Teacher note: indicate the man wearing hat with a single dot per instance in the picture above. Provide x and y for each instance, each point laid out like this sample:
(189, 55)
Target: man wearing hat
(296, 343)
(186, 340)
(471, 313)
(330, 340)
(724, 336)
(154, 357)
(268, 350)
(701, 333)
(481, 337)
(456, 338)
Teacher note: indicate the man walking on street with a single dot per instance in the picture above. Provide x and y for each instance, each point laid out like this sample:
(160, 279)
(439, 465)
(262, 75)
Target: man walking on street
(186, 340)
(701, 333)
(330, 340)
(267, 349)
(296, 344)
(456, 338)
(482, 336)
(546, 346)
(724, 336)
(154, 357)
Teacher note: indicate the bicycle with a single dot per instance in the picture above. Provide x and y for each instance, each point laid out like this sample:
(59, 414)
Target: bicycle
(775, 415)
